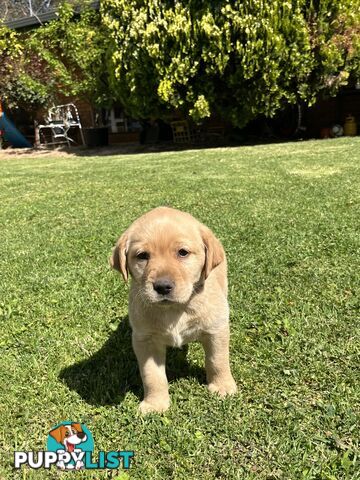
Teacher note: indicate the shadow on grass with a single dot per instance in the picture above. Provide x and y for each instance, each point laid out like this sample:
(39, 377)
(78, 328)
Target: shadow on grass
(106, 376)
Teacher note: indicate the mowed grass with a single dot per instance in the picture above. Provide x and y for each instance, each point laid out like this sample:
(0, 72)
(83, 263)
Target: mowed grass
(288, 216)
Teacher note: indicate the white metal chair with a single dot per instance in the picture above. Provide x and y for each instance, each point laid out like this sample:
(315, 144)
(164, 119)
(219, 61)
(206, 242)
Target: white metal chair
(59, 120)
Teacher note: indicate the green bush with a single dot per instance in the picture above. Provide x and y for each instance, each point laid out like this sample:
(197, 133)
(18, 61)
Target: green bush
(74, 47)
(64, 57)
(334, 31)
(238, 59)
(17, 87)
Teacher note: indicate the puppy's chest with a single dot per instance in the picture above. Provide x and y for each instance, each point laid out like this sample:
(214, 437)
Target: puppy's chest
(177, 337)
(178, 333)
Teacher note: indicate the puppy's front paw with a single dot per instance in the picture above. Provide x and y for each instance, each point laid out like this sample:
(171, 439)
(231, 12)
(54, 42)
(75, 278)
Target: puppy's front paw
(154, 405)
(223, 387)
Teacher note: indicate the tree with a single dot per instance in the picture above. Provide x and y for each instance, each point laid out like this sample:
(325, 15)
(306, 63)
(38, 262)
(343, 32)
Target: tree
(334, 31)
(22, 80)
(238, 59)
(74, 47)
(64, 57)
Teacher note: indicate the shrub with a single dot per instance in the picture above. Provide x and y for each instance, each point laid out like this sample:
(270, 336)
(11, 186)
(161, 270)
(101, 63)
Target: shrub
(64, 57)
(19, 72)
(236, 59)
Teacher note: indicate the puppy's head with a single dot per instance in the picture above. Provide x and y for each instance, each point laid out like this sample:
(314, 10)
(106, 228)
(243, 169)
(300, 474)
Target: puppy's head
(168, 254)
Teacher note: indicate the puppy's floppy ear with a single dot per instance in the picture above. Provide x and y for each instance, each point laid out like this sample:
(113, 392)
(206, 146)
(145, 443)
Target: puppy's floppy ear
(118, 257)
(58, 433)
(214, 252)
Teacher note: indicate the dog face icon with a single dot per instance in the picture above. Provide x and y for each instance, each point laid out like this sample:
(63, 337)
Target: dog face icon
(69, 435)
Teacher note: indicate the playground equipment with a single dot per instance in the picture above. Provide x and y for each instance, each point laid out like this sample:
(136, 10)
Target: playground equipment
(60, 119)
(10, 133)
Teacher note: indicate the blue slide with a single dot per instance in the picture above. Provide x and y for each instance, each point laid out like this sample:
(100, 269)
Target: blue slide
(12, 134)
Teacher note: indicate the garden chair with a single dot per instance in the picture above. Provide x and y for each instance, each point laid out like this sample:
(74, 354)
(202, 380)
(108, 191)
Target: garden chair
(59, 121)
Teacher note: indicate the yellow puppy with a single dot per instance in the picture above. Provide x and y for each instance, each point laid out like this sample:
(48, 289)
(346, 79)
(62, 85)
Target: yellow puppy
(178, 294)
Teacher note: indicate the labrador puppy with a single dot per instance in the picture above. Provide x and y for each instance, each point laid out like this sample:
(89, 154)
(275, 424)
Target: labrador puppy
(178, 294)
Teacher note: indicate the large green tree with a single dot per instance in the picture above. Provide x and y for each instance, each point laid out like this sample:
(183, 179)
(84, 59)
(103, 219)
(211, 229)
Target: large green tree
(239, 59)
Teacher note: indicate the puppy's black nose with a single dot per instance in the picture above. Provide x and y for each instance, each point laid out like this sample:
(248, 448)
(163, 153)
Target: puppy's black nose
(163, 286)
(81, 434)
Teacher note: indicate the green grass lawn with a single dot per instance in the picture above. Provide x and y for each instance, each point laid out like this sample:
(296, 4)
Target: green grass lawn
(289, 218)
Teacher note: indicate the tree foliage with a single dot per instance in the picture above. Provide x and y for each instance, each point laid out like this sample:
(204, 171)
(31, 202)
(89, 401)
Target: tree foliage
(239, 59)
(64, 57)
(19, 71)
(236, 58)
(334, 31)
(74, 47)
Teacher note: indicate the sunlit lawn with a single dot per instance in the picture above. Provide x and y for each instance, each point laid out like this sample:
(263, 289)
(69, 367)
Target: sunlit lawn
(288, 216)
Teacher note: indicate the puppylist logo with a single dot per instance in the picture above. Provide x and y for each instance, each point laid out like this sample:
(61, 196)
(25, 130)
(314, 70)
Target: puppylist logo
(70, 446)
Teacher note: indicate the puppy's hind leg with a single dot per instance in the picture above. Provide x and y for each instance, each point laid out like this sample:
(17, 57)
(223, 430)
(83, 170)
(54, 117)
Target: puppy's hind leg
(151, 358)
(218, 374)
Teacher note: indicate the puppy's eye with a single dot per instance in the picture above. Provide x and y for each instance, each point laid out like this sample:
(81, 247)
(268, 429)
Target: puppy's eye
(67, 433)
(143, 256)
(183, 253)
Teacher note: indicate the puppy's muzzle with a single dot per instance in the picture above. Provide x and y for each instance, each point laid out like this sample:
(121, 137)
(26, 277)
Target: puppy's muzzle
(163, 286)
(81, 435)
